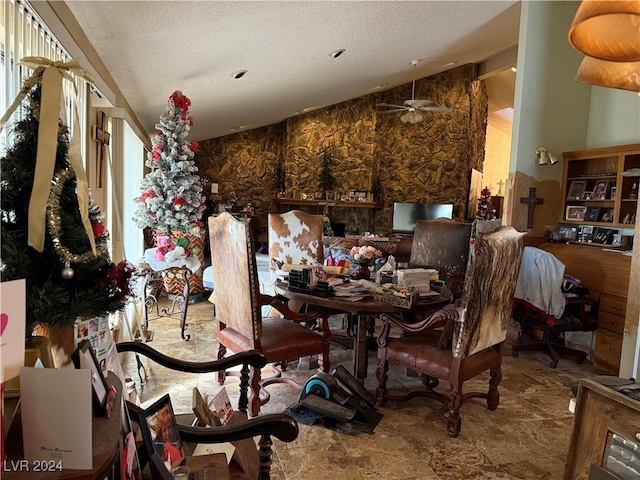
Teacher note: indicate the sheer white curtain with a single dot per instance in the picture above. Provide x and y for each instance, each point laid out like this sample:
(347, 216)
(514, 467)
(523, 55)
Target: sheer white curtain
(125, 165)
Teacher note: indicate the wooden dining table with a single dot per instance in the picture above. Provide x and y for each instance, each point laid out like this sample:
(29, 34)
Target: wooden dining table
(363, 309)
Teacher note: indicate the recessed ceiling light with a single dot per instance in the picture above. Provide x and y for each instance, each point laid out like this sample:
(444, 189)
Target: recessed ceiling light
(383, 85)
(451, 64)
(238, 74)
(337, 53)
(302, 110)
(236, 129)
(514, 69)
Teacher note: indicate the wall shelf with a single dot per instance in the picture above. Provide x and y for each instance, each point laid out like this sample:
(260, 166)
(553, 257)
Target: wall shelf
(329, 203)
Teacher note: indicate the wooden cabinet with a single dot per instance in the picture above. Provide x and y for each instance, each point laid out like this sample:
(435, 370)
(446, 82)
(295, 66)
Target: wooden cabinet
(600, 191)
(606, 275)
(606, 426)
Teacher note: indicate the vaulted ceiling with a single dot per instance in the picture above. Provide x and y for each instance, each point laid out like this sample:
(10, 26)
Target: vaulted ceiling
(152, 48)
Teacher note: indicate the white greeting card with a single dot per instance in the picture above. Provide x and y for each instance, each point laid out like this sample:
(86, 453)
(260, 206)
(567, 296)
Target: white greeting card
(57, 416)
(12, 328)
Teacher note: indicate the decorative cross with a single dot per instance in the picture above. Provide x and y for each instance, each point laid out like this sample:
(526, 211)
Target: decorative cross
(102, 137)
(532, 201)
(500, 185)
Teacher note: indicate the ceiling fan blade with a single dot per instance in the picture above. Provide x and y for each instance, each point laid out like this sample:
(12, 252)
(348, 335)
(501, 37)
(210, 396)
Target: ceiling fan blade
(391, 105)
(436, 109)
(393, 110)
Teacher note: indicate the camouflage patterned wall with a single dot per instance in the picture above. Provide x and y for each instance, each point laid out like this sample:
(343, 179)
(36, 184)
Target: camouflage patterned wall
(427, 162)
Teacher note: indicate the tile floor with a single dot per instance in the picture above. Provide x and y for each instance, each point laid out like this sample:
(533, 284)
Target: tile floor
(527, 437)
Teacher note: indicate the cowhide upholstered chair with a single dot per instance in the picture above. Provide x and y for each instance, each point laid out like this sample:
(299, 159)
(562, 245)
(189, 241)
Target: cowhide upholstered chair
(295, 237)
(443, 244)
(238, 303)
(479, 329)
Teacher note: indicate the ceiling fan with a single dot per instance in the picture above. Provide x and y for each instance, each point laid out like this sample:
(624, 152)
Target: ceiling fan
(413, 107)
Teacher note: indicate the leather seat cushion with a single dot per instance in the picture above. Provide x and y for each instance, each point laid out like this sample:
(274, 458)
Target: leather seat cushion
(281, 339)
(419, 352)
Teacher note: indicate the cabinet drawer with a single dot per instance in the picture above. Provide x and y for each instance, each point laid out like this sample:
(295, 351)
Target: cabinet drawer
(612, 322)
(608, 349)
(613, 304)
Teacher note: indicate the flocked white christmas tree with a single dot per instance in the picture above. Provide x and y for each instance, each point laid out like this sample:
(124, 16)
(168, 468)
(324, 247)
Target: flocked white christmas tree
(171, 197)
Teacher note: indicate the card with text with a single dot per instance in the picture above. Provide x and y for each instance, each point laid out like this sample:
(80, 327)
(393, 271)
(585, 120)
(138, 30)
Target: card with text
(12, 328)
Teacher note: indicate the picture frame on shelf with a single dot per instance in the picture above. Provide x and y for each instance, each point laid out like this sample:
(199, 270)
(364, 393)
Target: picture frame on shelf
(567, 233)
(603, 235)
(612, 193)
(159, 430)
(587, 234)
(85, 357)
(606, 215)
(360, 195)
(577, 189)
(591, 215)
(575, 212)
(587, 195)
(600, 190)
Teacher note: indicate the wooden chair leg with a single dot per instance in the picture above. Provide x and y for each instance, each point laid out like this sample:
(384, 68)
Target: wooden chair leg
(255, 377)
(493, 396)
(454, 422)
(219, 354)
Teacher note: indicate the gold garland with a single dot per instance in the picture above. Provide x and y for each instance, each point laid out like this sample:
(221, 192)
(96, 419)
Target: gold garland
(54, 222)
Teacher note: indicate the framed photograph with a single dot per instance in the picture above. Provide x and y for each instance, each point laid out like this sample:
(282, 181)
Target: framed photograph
(587, 195)
(602, 235)
(600, 190)
(591, 215)
(360, 195)
(160, 432)
(606, 215)
(587, 234)
(575, 212)
(577, 189)
(568, 233)
(85, 357)
(612, 193)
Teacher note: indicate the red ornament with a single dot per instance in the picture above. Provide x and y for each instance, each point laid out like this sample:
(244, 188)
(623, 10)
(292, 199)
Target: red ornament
(194, 147)
(98, 229)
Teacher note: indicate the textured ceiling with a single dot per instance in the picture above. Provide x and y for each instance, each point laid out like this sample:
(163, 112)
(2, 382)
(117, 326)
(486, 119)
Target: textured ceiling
(152, 48)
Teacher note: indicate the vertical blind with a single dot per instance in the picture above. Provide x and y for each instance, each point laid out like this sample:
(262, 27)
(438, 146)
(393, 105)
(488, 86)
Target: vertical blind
(24, 34)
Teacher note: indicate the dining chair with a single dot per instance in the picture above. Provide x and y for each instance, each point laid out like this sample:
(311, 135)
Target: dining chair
(478, 331)
(295, 237)
(238, 303)
(443, 244)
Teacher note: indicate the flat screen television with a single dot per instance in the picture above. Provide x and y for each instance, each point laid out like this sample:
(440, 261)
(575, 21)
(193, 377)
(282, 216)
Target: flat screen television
(405, 215)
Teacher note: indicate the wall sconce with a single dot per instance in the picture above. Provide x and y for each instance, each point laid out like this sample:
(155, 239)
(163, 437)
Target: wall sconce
(607, 33)
(544, 157)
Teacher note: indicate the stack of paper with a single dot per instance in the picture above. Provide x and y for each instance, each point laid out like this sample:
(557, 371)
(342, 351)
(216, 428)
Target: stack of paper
(420, 278)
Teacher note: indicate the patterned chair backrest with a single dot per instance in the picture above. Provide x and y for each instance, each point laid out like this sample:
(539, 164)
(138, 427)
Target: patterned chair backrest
(442, 244)
(489, 286)
(295, 237)
(235, 275)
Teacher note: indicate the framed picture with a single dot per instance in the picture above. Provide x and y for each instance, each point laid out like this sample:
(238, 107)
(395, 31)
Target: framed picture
(587, 195)
(575, 212)
(359, 196)
(577, 189)
(85, 357)
(568, 233)
(600, 190)
(602, 235)
(606, 215)
(587, 234)
(160, 432)
(612, 194)
(591, 215)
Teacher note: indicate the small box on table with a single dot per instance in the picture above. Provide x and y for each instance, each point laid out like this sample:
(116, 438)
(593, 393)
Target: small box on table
(396, 295)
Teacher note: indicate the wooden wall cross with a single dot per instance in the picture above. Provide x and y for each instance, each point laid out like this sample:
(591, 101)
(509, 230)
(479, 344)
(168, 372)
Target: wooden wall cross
(100, 135)
(532, 201)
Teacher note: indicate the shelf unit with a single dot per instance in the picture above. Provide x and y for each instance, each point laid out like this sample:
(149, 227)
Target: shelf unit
(329, 203)
(600, 190)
